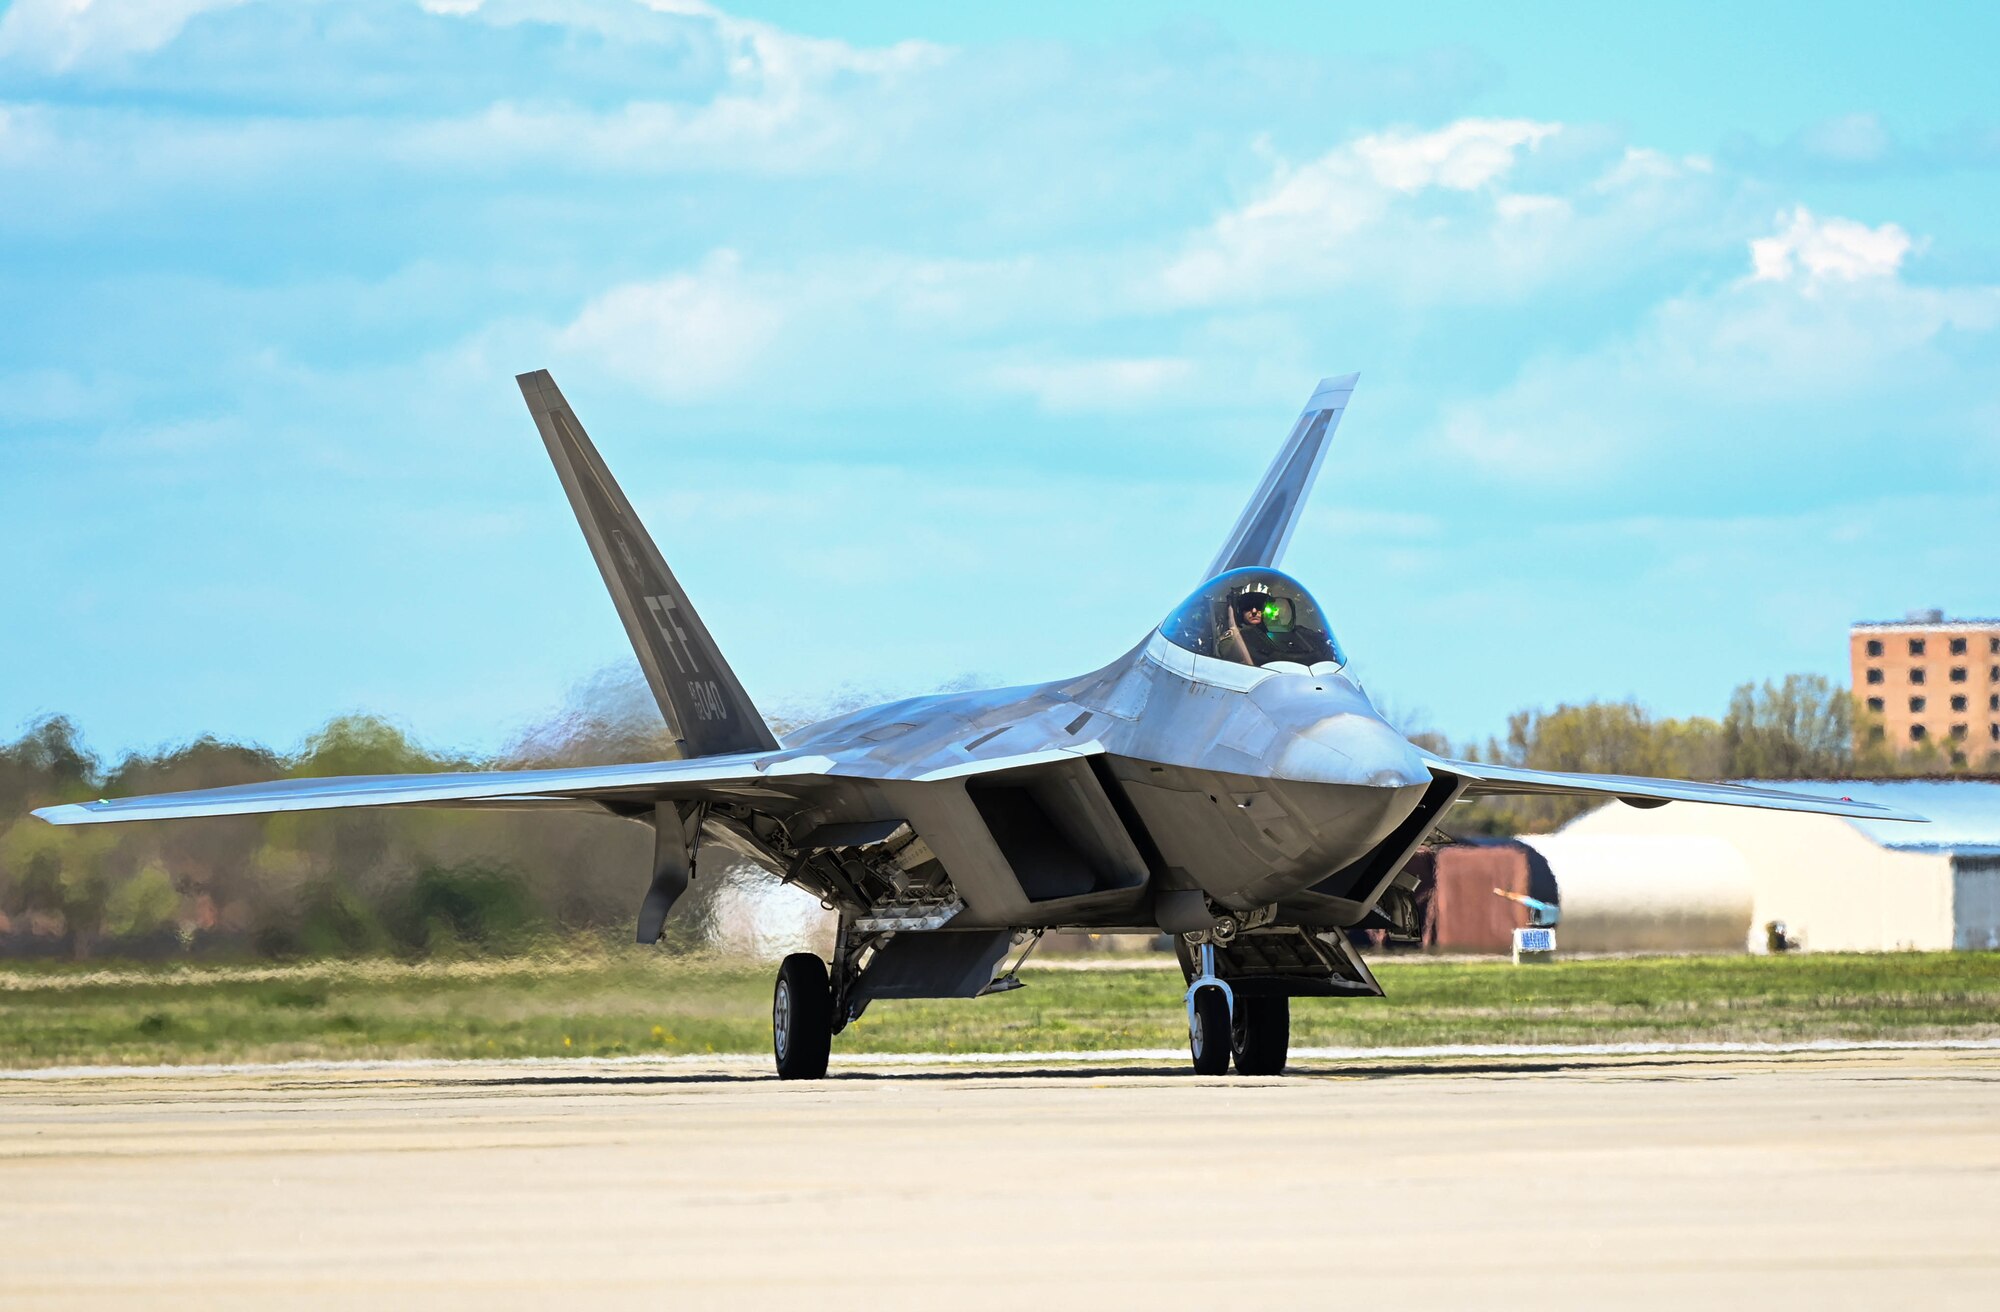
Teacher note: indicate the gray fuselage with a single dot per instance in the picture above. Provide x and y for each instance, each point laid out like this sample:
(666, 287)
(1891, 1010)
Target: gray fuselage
(1254, 786)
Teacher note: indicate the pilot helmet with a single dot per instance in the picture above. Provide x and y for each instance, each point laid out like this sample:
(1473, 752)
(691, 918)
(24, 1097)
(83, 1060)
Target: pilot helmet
(1253, 594)
(1276, 608)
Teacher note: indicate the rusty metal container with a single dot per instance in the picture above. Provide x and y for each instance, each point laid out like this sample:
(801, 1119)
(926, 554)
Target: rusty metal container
(1465, 913)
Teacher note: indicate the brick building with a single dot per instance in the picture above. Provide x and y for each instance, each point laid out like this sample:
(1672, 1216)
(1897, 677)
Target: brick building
(1927, 678)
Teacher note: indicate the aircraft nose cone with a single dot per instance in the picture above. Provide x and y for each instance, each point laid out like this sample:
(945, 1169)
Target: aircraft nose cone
(1352, 748)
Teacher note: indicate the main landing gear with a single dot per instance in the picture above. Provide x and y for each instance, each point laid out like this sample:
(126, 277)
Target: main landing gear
(1255, 1031)
(1243, 1019)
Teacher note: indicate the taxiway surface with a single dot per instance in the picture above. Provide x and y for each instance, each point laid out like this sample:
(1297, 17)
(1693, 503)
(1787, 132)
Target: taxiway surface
(1826, 1179)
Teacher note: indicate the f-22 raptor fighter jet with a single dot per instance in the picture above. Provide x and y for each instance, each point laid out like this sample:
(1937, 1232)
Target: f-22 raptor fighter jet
(1226, 781)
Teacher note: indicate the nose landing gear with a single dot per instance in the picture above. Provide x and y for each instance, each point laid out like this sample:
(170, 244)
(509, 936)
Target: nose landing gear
(1254, 1030)
(802, 1018)
(1208, 1032)
(1210, 1004)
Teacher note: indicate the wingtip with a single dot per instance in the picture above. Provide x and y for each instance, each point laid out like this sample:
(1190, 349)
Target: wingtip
(69, 813)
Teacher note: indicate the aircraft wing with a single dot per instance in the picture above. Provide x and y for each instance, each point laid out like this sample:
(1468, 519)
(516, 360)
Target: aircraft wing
(777, 781)
(590, 786)
(1503, 780)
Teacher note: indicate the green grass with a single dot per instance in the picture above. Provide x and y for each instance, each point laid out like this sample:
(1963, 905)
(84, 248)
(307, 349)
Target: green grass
(594, 1001)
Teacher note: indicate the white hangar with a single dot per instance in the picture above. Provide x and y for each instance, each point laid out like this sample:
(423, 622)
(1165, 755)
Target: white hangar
(1713, 878)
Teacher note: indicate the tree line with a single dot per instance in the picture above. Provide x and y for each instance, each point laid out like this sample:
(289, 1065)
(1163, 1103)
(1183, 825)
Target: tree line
(416, 881)
(422, 881)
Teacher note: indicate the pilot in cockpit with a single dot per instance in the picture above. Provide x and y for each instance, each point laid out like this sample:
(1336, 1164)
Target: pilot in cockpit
(1247, 637)
(1253, 616)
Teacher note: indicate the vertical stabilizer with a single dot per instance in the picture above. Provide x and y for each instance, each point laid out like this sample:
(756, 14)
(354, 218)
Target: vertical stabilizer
(705, 706)
(1265, 527)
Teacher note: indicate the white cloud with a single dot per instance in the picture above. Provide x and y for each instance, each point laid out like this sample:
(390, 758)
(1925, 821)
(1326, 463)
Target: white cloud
(1468, 154)
(1792, 359)
(783, 104)
(756, 52)
(59, 34)
(766, 53)
(861, 327)
(1641, 165)
(1112, 384)
(770, 98)
(1431, 216)
(841, 327)
(1531, 207)
(1833, 248)
(851, 326)
(688, 335)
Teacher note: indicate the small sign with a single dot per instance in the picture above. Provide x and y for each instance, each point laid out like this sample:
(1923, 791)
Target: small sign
(1533, 940)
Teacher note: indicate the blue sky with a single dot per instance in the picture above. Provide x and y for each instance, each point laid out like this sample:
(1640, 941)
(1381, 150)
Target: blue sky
(938, 341)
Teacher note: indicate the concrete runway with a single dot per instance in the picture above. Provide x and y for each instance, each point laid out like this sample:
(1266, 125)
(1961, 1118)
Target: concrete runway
(1823, 1180)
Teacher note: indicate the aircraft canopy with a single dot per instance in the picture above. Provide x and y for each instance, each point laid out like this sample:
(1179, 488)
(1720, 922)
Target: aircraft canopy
(1256, 617)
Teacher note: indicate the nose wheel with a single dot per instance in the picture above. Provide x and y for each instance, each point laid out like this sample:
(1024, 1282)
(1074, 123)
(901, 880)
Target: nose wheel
(1208, 1031)
(1209, 1004)
(802, 1018)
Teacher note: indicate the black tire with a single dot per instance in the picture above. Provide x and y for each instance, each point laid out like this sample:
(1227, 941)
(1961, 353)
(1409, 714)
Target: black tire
(1208, 1031)
(802, 1018)
(1260, 1035)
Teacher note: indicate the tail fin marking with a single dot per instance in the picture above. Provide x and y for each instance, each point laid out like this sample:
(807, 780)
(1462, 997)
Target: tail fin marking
(705, 705)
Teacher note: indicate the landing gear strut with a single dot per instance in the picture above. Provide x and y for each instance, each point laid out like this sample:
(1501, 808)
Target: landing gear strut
(1209, 1004)
(802, 1018)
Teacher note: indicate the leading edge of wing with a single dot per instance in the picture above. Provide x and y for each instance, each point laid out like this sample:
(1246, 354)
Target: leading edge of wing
(1491, 780)
(743, 774)
(524, 786)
